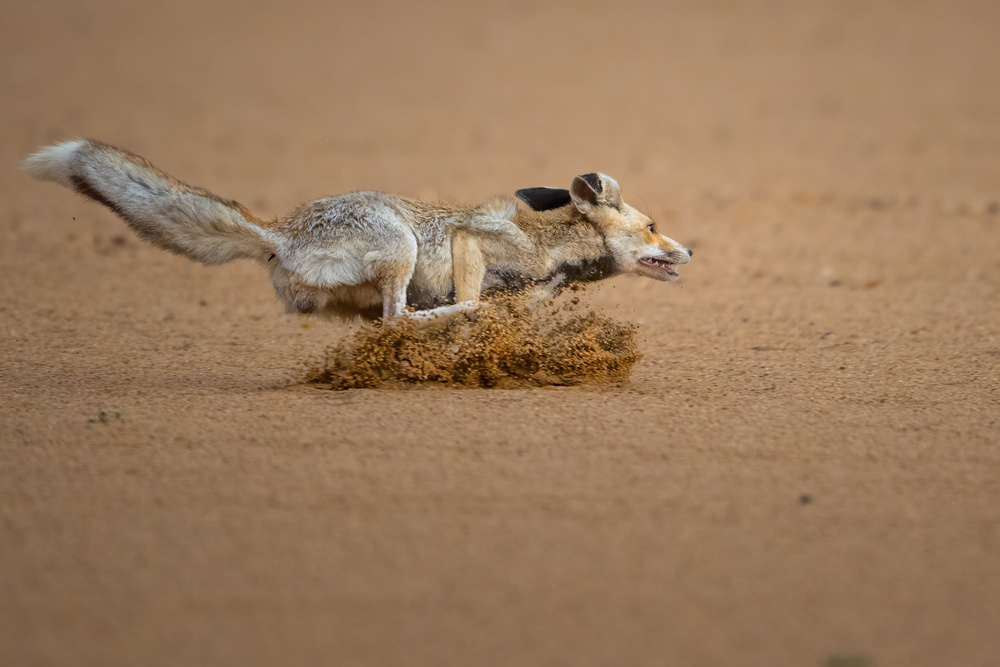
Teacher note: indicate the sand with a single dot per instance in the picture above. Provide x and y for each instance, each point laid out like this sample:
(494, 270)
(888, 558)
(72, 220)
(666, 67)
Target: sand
(516, 340)
(803, 468)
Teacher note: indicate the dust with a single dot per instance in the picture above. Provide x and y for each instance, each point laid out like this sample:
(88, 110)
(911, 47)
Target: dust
(508, 344)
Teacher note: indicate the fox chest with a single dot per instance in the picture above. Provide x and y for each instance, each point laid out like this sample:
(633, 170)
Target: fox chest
(566, 273)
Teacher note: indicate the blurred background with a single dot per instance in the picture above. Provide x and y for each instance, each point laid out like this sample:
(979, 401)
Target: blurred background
(683, 95)
(803, 469)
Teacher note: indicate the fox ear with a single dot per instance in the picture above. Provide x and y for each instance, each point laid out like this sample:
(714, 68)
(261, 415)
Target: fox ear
(592, 190)
(544, 199)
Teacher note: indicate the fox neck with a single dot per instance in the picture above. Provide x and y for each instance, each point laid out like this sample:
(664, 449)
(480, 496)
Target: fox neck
(572, 247)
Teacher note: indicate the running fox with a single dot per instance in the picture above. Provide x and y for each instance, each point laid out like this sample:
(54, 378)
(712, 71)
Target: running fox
(368, 253)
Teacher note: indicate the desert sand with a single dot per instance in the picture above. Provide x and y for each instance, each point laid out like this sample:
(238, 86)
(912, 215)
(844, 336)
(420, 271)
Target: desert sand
(804, 468)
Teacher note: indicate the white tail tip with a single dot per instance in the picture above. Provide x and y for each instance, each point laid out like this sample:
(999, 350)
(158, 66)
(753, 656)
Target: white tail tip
(52, 163)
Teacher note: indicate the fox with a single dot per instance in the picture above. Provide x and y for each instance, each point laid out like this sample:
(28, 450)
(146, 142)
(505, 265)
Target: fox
(370, 254)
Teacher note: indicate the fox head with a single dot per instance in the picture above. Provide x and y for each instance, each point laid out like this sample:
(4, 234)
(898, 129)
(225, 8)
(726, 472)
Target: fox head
(631, 237)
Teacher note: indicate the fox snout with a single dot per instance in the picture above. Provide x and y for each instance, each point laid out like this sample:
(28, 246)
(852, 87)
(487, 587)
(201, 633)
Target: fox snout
(660, 260)
(675, 252)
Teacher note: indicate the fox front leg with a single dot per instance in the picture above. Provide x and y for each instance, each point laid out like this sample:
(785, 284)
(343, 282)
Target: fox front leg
(469, 267)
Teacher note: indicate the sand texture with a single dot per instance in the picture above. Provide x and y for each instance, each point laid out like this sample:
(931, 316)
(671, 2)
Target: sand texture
(515, 341)
(802, 469)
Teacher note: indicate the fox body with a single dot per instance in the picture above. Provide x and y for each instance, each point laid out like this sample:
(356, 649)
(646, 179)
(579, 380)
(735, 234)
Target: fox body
(369, 253)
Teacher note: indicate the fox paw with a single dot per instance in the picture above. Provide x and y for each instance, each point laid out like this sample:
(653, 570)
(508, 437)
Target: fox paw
(469, 308)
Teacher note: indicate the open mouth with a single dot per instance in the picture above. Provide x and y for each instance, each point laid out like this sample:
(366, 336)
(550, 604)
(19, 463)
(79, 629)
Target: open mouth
(659, 265)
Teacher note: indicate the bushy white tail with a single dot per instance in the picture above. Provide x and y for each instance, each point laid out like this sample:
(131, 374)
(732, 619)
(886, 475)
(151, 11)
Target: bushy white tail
(178, 217)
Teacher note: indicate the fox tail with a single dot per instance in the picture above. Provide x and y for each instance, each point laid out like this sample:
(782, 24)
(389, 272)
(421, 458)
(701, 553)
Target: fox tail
(173, 215)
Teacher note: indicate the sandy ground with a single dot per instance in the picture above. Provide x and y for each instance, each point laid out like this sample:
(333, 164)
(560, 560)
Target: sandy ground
(803, 470)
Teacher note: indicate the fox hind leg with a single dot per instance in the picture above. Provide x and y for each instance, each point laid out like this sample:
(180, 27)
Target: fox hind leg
(392, 283)
(358, 268)
(392, 271)
(309, 300)
(297, 296)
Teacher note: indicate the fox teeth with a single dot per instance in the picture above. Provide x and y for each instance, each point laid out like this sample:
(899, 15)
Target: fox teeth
(659, 264)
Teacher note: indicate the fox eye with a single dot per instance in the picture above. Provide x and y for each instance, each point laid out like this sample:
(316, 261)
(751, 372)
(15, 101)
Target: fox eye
(652, 228)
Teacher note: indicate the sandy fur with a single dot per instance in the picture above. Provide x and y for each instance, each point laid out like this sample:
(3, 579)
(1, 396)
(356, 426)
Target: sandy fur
(370, 253)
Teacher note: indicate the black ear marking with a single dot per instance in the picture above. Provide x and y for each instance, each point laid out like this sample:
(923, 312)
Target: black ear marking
(544, 199)
(594, 181)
